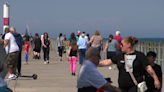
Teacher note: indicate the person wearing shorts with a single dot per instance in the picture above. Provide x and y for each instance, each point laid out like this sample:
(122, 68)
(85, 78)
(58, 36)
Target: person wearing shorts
(37, 46)
(12, 51)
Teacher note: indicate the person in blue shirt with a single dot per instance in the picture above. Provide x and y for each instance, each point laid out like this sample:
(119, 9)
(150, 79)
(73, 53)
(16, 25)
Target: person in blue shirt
(82, 47)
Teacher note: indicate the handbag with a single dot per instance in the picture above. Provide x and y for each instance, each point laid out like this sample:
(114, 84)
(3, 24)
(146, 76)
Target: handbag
(141, 87)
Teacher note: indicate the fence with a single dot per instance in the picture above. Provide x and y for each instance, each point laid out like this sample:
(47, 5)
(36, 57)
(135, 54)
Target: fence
(141, 46)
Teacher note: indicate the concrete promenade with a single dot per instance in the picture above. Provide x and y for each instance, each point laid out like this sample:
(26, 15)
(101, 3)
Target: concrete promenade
(55, 77)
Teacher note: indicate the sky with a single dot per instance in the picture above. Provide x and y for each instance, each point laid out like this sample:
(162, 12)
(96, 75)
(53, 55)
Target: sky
(138, 18)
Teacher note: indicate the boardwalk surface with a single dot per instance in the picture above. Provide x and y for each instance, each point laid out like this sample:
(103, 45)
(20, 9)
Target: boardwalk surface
(55, 77)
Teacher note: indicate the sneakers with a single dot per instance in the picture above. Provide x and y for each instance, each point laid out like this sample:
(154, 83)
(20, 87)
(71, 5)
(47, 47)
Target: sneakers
(60, 59)
(73, 74)
(45, 62)
(25, 63)
(12, 77)
(48, 62)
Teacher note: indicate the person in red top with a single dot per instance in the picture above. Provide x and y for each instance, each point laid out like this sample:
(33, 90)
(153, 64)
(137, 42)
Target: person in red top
(26, 51)
(119, 39)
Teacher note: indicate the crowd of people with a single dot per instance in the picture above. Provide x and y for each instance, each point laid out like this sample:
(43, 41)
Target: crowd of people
(132, 65)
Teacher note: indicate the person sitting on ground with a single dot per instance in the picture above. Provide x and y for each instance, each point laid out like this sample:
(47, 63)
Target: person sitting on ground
(26, 51)
(37, 46)
(89, 79)
(151, 56)
(136, 62)
(96, 41)
(12, 51)
(72, 54)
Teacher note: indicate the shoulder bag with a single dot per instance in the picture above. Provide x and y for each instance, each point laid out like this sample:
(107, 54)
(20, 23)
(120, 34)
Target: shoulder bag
(141, 87)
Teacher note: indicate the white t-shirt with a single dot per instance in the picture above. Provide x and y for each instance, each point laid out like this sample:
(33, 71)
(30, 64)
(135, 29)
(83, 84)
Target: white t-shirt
(84, 37)
(12, 45)
(89, 76)
(42, 36)
(2, 82)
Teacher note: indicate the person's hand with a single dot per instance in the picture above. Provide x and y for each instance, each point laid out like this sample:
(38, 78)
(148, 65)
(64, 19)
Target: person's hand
(157, 84)
(45, 46)
(104, 51)
(2, 68)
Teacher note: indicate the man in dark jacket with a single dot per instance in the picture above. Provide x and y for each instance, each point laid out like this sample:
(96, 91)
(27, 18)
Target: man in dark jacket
(20, 43)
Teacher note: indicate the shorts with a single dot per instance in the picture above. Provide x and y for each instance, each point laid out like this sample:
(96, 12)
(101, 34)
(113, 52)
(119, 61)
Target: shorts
(37, 50)
(11, 59)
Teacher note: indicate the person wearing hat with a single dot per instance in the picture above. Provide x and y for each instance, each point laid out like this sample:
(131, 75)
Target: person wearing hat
(37, 46)
(84, 36)
(119, 39)
(77, 37)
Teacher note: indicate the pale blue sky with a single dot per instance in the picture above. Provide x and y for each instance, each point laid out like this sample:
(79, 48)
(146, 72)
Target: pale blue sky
(139, 18)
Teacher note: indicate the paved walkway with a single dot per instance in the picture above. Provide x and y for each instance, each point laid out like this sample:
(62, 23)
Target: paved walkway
(55, 77)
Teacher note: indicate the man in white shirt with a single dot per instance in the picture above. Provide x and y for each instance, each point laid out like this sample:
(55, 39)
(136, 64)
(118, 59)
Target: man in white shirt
(12, 51)
(84, 37)
(89, 79)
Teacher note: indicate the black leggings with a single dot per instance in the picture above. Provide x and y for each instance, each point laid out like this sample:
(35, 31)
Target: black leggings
(19, 62)
(60, 50)
(46, 52)
(129, 89)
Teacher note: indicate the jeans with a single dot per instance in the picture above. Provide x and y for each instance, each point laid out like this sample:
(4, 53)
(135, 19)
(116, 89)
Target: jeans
(46, 52)
(72, 61)
(81, 55)
(25, 56)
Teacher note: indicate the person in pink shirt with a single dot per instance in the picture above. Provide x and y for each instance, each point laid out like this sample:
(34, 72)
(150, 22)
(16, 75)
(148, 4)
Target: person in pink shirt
(119, 39)
(26, 51)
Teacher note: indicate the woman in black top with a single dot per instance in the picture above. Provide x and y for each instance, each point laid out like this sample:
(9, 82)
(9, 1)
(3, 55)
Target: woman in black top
(136, 61)
(46, 47)
(72, 54)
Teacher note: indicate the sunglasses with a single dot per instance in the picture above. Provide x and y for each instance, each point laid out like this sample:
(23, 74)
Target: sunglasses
(121, 44)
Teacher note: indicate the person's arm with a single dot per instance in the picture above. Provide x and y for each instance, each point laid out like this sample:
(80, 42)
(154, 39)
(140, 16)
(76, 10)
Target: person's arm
(69, 50)
(106, 62)
(43, 43)
(6, 42)
(2, 40)
(101, 44)
(111, 88)
(90, 40)
(29, 49)
(106, 46)
(50, 43)
(150, 70)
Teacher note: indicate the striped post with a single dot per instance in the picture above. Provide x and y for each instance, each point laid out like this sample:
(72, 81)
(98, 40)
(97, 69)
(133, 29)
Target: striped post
(5, 16)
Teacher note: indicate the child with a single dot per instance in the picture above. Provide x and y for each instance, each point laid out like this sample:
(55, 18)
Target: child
(66, 45)
(26, 51)
(151, 56)
(72, 53)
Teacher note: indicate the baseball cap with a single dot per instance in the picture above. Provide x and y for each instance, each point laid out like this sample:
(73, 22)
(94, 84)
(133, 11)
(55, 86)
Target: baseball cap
(117, 32)
(78, 34)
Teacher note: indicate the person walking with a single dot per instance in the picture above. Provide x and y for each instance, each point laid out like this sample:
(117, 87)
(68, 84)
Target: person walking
(89, 79)
(119, 39)
(66, 45)
(37, 46)
(111, 48)
(72, 38)
(96, 41)
(46, 48)
(26, 51)
(72, 54)
(136, 61)
(12, 51)
(82, 47)
(60, 41)
(20, 43)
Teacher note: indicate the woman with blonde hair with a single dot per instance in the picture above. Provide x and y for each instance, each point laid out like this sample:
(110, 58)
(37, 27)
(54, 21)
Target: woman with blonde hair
(72, 54)
(130, 62)
(96, 41)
